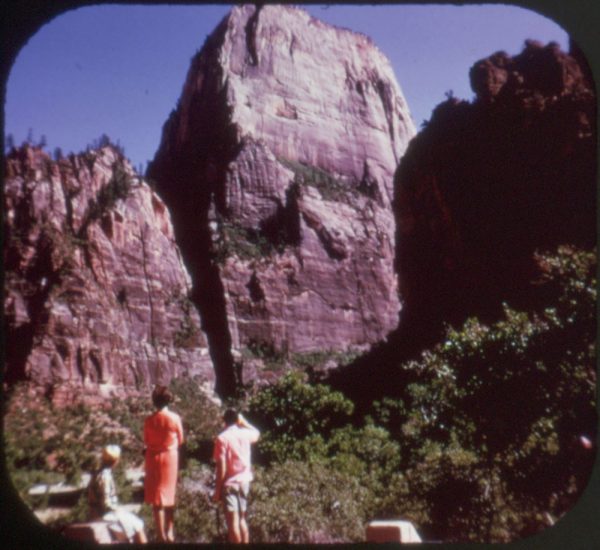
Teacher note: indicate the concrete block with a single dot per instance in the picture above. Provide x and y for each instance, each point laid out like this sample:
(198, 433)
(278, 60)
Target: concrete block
(93, 531)
(392, 531)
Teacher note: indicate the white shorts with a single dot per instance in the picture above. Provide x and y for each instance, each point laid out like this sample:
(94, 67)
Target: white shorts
(124, 524)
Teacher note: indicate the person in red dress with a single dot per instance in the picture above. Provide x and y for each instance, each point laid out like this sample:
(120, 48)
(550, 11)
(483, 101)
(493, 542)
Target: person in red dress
(163, 435)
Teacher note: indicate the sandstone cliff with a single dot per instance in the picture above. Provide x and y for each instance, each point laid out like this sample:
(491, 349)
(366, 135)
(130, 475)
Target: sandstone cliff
(489, 182)
(96, 294)
(277, 165)
(480, 189)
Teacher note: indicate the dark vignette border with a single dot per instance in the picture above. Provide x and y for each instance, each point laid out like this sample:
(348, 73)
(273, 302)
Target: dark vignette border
(21, 19)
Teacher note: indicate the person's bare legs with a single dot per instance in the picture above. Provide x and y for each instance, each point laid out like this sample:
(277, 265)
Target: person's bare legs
(140, 537)
(159, 520)
(169, 523)
(233, 527)
(244, 533)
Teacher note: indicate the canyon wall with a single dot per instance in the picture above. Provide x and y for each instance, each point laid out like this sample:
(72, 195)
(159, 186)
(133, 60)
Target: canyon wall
(277, 165)
(96, 294)
(286, 213)
(487, 183)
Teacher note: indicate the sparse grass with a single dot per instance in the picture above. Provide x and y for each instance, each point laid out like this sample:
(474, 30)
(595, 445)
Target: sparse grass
(330, 188)
(273, 359)
(247, 244)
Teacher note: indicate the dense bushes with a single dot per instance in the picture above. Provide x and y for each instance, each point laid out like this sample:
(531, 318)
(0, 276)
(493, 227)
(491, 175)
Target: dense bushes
(296, 417)
(61, 443)
(295, 502)
(308, 431)
(482, 445)
(511, 400)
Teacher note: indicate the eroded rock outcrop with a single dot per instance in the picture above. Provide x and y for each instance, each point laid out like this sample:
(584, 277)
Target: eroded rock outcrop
(488, 182)
(96, 293)
(482, 187)
(278, 168)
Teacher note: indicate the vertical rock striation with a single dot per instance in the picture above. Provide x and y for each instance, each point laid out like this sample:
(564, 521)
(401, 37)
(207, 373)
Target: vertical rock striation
(277, 165)
(96, 294)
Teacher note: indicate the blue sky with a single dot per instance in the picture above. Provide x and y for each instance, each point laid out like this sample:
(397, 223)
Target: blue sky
(119, 69)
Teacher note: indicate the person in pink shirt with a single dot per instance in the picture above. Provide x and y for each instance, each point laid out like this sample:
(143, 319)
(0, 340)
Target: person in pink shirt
(232, 454)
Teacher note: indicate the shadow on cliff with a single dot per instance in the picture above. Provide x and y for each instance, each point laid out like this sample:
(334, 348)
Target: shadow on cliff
(481, 188)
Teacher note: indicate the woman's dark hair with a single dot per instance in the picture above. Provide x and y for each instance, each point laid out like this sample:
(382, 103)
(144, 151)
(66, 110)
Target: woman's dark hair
(230, 417)
(161, 397)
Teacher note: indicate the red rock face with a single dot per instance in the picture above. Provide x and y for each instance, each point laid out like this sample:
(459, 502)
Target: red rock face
(278, 168)
(96, 294)
(487, 183)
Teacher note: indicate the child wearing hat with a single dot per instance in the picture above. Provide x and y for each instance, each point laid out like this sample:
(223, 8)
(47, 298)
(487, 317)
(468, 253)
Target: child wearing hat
(104, 504)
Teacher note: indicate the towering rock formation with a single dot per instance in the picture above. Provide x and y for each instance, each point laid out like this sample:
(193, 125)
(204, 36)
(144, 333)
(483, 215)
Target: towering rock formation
(96, 294)
(482, 187)
(487, 183)
(278, 168)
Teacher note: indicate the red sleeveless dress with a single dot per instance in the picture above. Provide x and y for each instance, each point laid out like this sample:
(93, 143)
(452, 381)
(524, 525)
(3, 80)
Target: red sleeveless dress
(163, 434)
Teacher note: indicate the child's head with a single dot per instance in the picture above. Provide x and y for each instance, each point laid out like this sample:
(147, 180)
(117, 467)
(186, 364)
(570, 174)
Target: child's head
(111, 455)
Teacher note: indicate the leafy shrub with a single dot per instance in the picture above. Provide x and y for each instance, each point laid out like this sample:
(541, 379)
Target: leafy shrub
(292, 410)
(369, 455)
(247, 244)
(62, 444)
(52, 445)
(512, 397)
(311, 423)
(201, 417)
(298, 502)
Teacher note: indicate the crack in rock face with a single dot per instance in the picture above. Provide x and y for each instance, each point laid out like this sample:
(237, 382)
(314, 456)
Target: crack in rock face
(286, 132)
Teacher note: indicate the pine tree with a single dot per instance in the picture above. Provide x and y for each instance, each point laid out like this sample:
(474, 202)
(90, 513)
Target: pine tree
(10, 142)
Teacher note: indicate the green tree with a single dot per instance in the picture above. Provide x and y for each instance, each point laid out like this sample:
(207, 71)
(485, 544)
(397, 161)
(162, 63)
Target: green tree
(10, 142)
(513, 398)
(297, 417)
